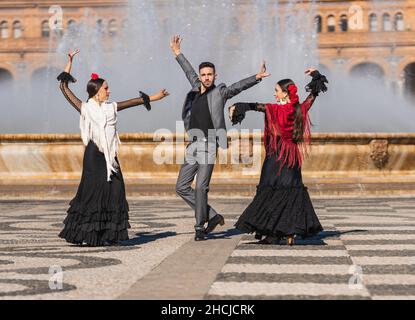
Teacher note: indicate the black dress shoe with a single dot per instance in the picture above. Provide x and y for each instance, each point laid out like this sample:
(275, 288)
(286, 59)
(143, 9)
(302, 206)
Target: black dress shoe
(200, 235)
(212, 224)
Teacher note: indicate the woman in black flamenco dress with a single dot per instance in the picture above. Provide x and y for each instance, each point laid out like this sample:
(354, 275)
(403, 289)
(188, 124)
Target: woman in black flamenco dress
(98, 215)
(282, 206)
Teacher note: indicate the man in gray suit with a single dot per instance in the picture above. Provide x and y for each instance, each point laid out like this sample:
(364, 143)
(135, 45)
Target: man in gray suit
(204, 121)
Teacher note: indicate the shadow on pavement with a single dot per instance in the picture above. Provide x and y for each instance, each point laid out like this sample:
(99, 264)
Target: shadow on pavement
(146, 237)
(224, 234)
(316, 240)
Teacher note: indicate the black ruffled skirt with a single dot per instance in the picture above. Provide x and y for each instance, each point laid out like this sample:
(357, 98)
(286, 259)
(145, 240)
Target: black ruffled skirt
(98, 215)
(281, 206)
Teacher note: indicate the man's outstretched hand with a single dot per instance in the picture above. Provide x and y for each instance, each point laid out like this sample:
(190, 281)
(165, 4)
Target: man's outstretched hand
(263, 72)
(160, 95)
(175, 45)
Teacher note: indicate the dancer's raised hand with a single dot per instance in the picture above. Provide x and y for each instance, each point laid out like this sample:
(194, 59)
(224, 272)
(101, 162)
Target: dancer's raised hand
(160, 95)
(262, 72)
(72, 54)
(175, 45)
(309, 71)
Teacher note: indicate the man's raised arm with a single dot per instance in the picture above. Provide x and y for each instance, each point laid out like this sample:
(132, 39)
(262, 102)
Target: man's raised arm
(238, 87)
(184, 63)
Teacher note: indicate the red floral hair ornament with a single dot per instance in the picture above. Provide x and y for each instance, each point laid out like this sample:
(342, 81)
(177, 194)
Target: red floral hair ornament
(94, 76)
(292, 93)
(292, 88)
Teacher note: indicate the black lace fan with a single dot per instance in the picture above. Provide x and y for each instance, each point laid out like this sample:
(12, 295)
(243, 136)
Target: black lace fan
(317, 84)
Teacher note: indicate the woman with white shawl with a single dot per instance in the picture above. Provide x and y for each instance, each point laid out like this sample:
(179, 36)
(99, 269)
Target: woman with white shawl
(98, 215)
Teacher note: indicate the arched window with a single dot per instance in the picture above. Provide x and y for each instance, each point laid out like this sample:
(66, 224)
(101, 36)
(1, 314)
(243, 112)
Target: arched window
(45, 29)
(409, 80)
(6, 81)
(373, 22)
(17, 29)
(6, 77)
(399, 23)
(331, 24)
(343, 23)
(112, 28)
(368, 70)
(4, 30)
(387, 25)
(44, 75)
(318, 23)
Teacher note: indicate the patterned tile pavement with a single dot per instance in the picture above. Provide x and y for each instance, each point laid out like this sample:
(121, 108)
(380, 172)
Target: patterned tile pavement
(367, 251)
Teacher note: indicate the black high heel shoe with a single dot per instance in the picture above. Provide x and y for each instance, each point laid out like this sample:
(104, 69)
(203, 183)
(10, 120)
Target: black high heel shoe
(258, 236)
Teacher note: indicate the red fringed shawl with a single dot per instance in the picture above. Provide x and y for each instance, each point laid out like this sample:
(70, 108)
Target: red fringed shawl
(279, 127)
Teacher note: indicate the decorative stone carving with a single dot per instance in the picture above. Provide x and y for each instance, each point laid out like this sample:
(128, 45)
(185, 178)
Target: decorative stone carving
(379, 153)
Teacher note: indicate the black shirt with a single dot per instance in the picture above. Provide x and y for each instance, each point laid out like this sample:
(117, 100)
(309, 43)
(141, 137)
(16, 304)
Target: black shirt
(200, 117)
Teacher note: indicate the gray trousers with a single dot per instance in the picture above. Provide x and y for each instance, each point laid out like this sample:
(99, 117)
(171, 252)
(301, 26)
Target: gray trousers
(199, 161)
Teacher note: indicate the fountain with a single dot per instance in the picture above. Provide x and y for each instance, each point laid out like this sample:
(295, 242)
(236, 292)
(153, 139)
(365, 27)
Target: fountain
(236, 36)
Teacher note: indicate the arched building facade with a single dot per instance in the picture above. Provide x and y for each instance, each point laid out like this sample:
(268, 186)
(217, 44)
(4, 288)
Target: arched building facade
(356, 37)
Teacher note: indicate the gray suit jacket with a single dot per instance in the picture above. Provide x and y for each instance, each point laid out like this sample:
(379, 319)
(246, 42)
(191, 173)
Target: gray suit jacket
(216, 98)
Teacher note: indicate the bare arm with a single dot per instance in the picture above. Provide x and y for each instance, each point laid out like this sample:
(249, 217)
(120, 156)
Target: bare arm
(184, 63)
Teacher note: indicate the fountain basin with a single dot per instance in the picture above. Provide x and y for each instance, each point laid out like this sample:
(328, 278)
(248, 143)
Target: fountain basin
(339, 164)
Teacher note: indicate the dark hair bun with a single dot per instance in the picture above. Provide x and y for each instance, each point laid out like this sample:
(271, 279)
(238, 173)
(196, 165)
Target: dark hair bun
(93, 87)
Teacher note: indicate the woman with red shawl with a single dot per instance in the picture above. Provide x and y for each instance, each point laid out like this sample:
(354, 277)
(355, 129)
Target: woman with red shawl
(282, 205)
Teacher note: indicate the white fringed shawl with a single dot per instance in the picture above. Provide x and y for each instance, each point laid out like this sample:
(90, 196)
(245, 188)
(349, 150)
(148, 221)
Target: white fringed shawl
(98, 124)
